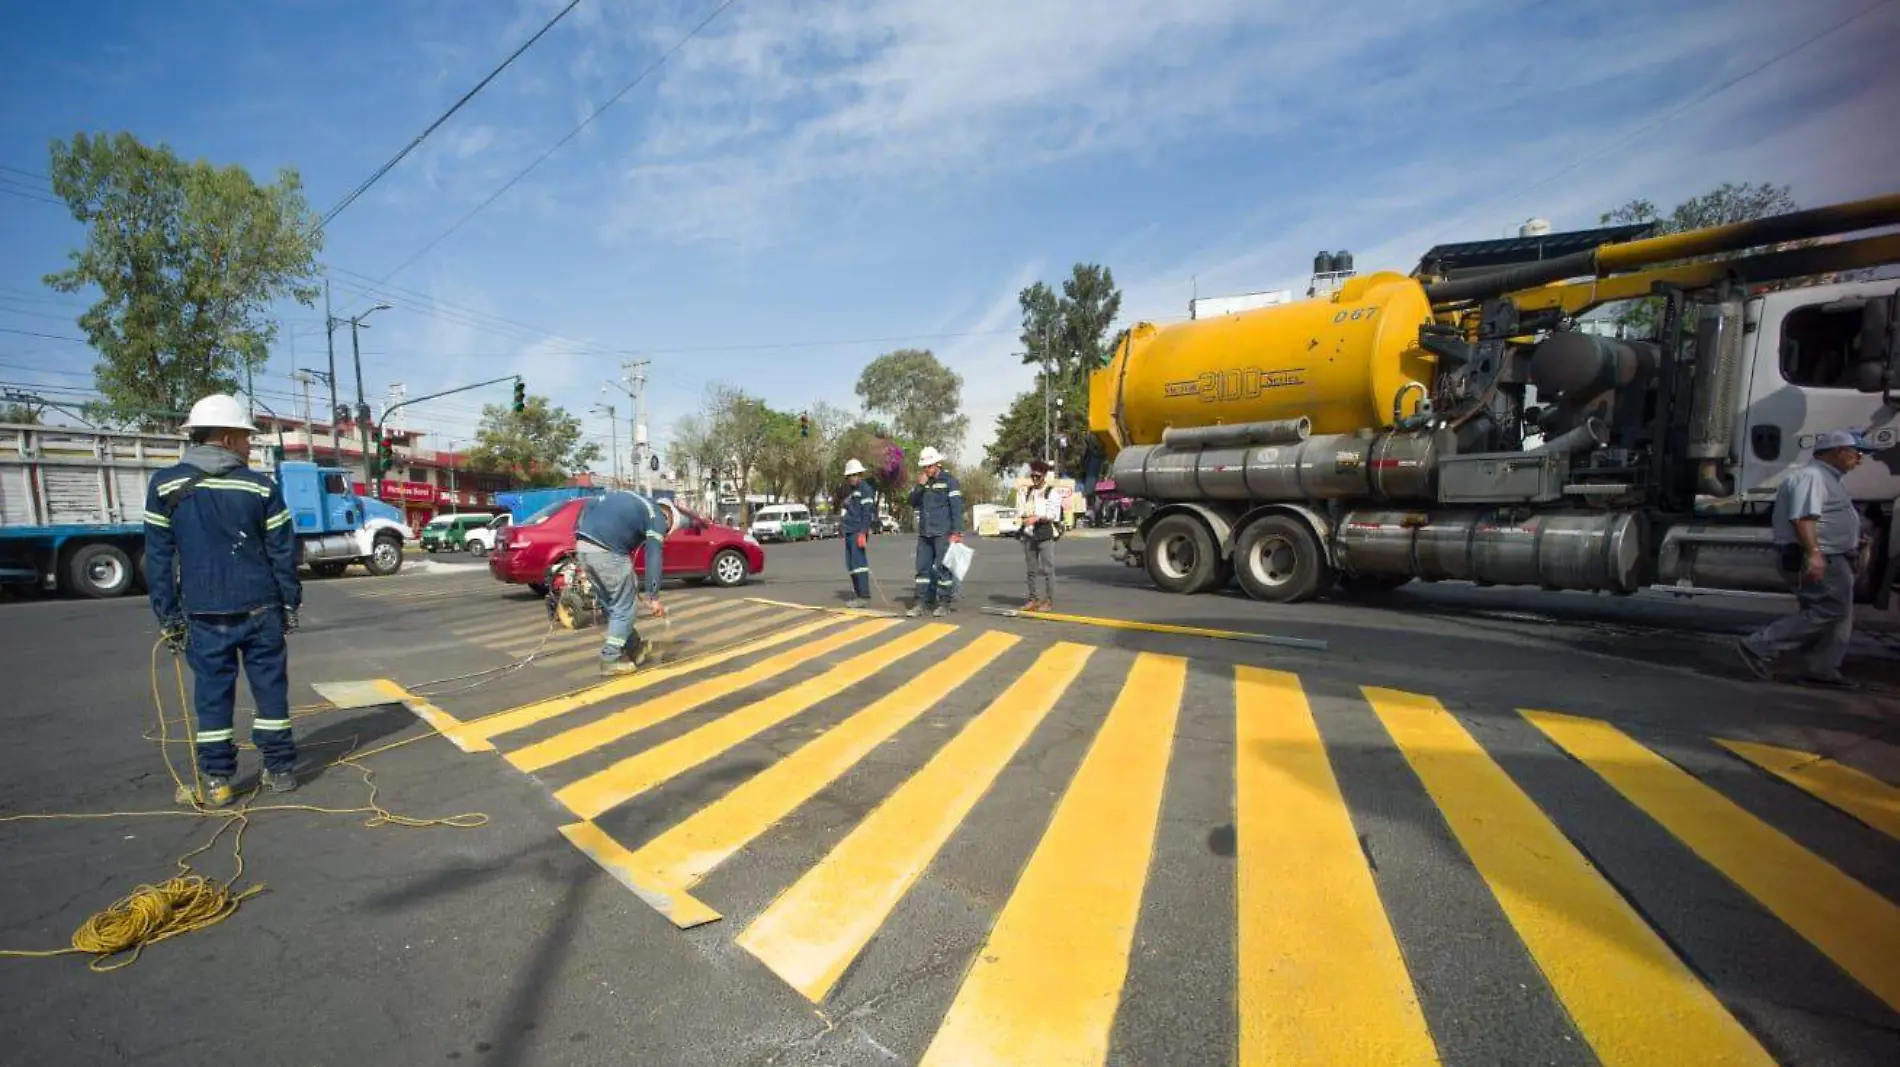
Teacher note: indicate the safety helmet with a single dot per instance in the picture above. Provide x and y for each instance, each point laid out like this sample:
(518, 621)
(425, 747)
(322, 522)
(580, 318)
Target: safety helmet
(930, 457)
(852, 466)
(219, 411)
(672, 515)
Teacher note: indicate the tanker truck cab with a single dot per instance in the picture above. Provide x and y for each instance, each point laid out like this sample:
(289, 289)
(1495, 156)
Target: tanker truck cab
(1466, 422)
(335, 526)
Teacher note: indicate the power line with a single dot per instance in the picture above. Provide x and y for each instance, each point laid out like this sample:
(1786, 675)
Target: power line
(48, 336)
(1666, 116)
(571, 134)
(33, 174)
(22, 194)
(466, 97)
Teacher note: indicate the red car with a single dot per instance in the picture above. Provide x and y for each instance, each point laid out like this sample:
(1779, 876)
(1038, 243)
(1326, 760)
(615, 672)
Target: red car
(696, 550)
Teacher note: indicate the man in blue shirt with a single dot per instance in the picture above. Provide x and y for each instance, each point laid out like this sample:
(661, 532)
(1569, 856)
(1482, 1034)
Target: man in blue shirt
(859, 511)
(222, 563)
(610, 528)
(1818, 531)
(938, 503)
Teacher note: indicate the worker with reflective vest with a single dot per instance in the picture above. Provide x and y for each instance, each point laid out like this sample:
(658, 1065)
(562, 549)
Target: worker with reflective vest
(859, 511)
(608, 531)
(937, 501)
(221, 561)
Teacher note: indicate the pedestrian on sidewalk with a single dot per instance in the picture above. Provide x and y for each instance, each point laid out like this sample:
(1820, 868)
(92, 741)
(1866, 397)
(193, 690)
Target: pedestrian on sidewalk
(1041, 526)
(221, 560)
(937, 502)
(1818, 533)
(610, 528)
(859, 511)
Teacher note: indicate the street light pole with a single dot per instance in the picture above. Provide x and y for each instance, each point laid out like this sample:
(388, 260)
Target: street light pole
(329, 337)
(362, 408)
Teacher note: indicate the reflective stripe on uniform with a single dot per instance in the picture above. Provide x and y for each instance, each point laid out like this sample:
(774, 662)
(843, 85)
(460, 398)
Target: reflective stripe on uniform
(860, 570)
(956, 492)
(277, 520)
(269, 724)
(158, 520)
(206, 737)
(235, 484)
(171, 485)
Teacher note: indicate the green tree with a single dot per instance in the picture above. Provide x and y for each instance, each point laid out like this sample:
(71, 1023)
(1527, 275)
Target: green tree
(922, 398)
(1020, 435)
(188, 258)
(740, 427)
(538, 446)
(979, 486)
(1071, 332)
(1725, 204)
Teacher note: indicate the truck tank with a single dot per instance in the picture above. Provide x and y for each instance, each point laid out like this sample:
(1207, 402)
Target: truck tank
(1345, 361)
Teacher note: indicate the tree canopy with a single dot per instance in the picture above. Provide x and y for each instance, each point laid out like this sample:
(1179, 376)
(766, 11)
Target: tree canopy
(1725, 204)
(1078, 324)
(187, 258)
(539, 446)
(922, 398)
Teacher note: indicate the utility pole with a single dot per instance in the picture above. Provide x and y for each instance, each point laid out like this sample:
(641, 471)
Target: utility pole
(329, 337)
(613, 429)
(633, 383)
(362, 408)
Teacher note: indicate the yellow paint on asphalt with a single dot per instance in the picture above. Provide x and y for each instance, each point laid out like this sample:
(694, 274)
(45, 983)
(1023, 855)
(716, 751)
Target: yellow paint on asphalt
(1045, 986)
(1856, 927)
(672, 643)
(479, 736)
(582, 739)
(1321, 980)
(812, 932)
(668, 866)
(1628, 994)
(607, 789)
(1857, 793)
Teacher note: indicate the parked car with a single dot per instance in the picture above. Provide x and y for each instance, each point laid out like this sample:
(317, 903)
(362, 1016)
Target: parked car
(824, 526)
(696, 550)
(481, 540)
(446, 533)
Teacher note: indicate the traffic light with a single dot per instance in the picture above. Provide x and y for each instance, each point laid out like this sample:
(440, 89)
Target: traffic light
(521, 396)
(385, 454)
(804, 426)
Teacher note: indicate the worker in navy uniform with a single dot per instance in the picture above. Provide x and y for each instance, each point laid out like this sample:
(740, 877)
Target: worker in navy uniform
(859, 510)
(937, 502)
(611, 526)
(222, 560)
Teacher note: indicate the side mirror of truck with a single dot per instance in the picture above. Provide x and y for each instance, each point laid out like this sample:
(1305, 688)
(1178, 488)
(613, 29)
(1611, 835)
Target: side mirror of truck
(1877, 369)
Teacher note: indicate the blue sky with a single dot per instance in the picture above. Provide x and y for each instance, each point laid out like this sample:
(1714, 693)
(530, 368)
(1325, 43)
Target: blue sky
(805, 178)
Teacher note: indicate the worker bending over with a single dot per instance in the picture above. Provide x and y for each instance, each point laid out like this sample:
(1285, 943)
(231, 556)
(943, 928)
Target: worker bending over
(1818, 532)
(610, 528)
(221, 560)
(938, 503)
(859, 511)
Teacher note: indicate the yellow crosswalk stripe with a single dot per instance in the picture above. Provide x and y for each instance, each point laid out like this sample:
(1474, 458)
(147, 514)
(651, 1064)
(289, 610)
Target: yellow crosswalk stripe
(667, 867)
(812, 932)
(1321, 980)
(669, 643)
(1857, 793)
(1045, 986)
(1853, 925)
(1630, 997)
(580, 739)
(525, 637)
(608, 789)
(479, 736)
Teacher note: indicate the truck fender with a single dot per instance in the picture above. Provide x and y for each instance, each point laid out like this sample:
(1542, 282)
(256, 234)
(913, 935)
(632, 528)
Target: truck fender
(1217, 521)
(1321, 526)
(366, 534)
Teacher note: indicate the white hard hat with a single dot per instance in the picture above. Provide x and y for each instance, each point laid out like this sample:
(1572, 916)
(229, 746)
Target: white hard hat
(930, 457)
(852, 466)
(219, 411)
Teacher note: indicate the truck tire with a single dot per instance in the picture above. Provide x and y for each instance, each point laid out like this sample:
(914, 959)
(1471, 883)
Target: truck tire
(1182, 556)
(478, 549)
(728, 569)
(1280, 561)
(99, 571)
(385, 556)
(138, 570)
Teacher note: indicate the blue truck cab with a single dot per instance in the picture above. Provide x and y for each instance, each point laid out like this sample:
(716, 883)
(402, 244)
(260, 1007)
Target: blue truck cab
(72, 505)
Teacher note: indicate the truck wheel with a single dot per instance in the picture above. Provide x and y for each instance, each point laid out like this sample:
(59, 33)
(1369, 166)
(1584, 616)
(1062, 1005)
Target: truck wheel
(477, 549)
(385, 557)
(99, 571)
(1278, 560)
(138, 570)
(1182, 556)
(728, 569)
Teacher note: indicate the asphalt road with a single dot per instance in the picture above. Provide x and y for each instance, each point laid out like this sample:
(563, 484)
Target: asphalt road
(803, 837)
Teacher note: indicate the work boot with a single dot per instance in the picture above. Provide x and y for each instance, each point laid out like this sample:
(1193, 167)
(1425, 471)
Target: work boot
(855, 603)
(1757, 665)
(1032, 605)
(939, 611)
(217, 793)
(915, 610)
(284, 781)
(611, 665)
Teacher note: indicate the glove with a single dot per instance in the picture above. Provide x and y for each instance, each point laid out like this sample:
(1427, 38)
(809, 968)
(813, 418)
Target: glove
(861, 538)
(291, 621)
(175, 634)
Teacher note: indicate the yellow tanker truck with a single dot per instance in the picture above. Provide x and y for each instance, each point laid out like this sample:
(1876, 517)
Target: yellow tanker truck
(1461, 423)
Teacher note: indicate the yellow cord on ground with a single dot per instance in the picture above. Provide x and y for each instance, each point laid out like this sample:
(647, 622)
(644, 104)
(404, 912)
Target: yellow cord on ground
(189, 901)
